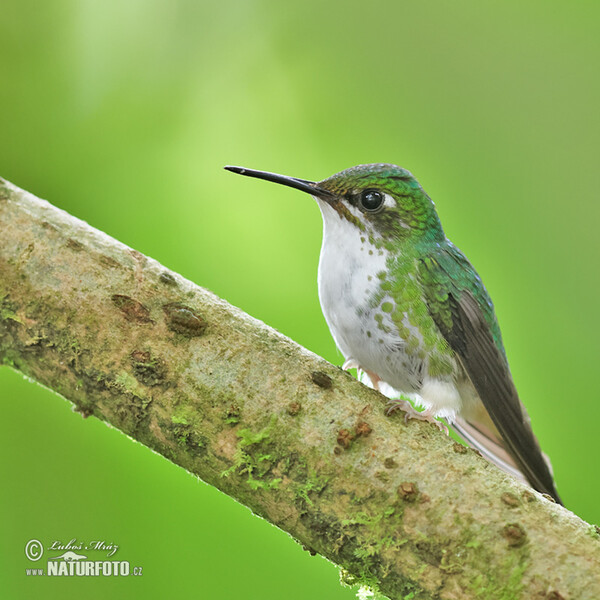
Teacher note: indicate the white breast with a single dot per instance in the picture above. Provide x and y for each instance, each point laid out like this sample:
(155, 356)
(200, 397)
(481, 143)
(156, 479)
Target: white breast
(348, 268)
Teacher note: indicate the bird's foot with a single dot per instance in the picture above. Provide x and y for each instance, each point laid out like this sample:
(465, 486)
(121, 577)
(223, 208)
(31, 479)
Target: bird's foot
(373, 378)
(350, 364)
(411, 413)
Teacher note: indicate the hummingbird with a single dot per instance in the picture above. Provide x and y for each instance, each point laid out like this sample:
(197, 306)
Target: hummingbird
(406, 308)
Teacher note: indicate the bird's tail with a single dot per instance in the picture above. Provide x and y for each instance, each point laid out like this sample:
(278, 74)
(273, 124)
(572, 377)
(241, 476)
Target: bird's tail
(489, 445)
(486, 438)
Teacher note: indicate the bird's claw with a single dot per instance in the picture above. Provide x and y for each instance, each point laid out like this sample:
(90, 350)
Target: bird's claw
(350, 364)
(373, 377)
(411, 413)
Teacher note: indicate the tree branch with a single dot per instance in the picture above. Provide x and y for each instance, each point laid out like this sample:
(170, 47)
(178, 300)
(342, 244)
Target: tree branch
(303, 444)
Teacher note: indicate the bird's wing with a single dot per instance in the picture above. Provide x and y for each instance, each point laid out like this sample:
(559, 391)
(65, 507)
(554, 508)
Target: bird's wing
(464, 314)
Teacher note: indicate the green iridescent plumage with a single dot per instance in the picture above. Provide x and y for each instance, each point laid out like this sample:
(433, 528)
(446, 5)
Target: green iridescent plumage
(415, 214)
(423, 267)
(446, 273)
(406, 307)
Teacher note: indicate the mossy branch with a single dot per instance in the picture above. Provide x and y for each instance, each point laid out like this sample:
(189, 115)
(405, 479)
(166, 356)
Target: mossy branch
(399, 507)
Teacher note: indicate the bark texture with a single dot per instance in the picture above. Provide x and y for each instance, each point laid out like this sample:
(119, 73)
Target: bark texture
(399, 507)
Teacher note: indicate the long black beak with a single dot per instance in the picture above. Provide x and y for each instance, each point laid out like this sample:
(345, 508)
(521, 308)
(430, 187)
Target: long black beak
(300, 184)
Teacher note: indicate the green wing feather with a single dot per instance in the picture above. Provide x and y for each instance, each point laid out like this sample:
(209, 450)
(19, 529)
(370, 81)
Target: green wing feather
(462, 310)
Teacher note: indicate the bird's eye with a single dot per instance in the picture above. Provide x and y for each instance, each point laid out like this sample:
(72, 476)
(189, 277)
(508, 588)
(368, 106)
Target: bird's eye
(371, 200)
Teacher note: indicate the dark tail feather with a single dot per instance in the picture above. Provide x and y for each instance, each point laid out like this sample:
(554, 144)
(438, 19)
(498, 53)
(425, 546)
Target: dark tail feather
(489, 443)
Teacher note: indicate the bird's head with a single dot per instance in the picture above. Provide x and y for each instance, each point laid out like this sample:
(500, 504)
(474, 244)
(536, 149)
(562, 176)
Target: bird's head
(383, 201)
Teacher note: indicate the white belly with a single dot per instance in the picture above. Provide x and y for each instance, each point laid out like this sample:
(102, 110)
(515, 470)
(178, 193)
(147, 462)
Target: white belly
(348, 268)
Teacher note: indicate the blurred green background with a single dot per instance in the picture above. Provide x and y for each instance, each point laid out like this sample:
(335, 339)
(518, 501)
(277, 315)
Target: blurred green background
(124, 113)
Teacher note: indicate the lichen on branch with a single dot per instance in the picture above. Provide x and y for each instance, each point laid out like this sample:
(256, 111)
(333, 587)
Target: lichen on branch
(399, 507)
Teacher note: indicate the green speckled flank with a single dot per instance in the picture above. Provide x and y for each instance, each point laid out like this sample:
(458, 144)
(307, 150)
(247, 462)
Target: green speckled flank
(400, 298)
(387, 307)
(425, 276)
(380, 324)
